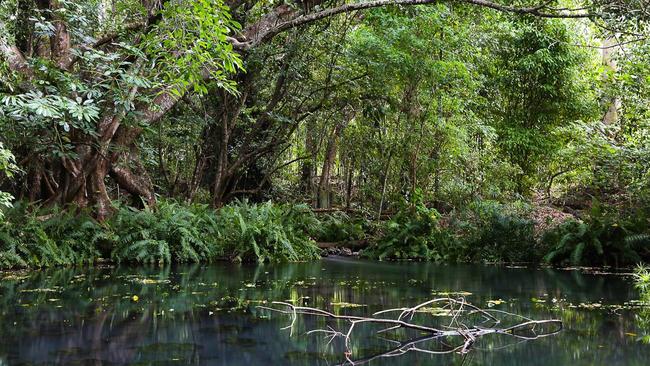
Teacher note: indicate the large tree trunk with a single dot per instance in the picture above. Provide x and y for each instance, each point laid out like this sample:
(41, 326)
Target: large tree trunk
(80, 180)
(128, 171)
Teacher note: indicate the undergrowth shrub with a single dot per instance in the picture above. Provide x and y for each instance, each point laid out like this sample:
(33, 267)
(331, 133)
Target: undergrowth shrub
(603, 238)
(412, 233)
(642, 283)
(495, 232)
(267, 232)
(47, 237)
(340, 227)
(172, 232)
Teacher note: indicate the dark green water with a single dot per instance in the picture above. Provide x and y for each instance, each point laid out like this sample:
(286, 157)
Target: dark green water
(208, 315)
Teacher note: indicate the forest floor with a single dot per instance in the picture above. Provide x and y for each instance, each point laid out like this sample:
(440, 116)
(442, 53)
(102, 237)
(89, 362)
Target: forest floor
(546, 217)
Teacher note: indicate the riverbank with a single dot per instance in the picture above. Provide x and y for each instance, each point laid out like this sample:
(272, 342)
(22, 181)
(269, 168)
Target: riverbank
(484, 231)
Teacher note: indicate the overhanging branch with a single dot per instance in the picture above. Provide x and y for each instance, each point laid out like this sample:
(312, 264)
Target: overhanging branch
(271, 30)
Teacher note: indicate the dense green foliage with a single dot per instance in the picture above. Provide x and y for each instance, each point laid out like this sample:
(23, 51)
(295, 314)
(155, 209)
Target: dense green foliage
(483, 232)
(413, 233)
(342, 227)
(497, 232)
(48, 237)
(171, 233)
(487, 231)
(150, 131)
(601, 239)
(642, 277)
(7, 168)
(267, 232)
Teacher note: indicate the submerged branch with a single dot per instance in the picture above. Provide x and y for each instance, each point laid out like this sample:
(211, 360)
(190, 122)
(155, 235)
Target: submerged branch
(458, 309)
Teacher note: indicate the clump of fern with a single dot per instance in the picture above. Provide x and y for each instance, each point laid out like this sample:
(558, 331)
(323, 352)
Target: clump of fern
(40, 237)
(642, 283)
(267, 232)
(413, 232)
(494, 232)
(340, 227)
(171, 232)
(601, 239)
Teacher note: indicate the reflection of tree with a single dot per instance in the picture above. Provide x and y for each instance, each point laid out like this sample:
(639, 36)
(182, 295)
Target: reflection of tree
(126, 315)
(93, 309)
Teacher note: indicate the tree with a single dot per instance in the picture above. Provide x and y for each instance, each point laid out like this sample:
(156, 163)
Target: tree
(540, 81)
(84, 80)
(81, 83)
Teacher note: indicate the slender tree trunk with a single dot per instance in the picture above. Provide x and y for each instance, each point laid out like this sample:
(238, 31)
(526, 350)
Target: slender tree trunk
(384, 185)
(224, 170)
(307, 168)
(324, 189)
(324, 186)
(220, 178)
(349, 180)
(609, 62)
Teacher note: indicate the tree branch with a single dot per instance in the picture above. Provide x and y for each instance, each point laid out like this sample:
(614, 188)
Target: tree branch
(260, 32)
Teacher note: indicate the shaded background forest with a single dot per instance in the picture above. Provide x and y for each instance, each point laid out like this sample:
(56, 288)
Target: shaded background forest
(503, 108)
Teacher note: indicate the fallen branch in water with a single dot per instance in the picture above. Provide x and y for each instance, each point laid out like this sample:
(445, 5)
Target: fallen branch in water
(458, 309)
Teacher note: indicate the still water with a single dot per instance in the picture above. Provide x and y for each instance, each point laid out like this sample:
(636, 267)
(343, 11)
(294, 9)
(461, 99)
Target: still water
(210, 315)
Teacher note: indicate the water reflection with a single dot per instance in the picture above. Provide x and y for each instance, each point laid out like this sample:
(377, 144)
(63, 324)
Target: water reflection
(208, 315)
